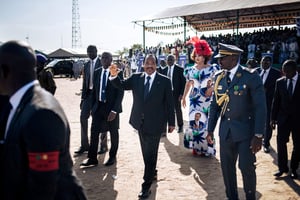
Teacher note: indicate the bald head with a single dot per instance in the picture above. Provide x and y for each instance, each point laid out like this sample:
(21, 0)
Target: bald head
(17, 66)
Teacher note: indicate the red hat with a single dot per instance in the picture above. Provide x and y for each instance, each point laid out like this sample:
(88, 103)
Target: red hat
(201, 47)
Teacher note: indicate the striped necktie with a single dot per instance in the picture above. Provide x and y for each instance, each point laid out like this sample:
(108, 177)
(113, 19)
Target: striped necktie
(103, 97)
(146, 87)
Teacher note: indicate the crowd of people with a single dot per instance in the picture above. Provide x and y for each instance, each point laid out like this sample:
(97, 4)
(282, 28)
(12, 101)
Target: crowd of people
(281, 43)
(249, 101)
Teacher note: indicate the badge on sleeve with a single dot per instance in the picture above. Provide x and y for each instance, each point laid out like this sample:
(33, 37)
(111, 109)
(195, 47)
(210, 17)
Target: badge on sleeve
(43, 161)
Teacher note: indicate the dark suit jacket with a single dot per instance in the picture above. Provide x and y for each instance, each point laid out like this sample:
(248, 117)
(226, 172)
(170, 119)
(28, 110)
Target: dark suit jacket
(3, 101)
(86, 76)
(245, 114)
(39, 126)
(283, 107)
(163, 71)
(269, 85)
(178, 80)
(149, 112)
(114, 96)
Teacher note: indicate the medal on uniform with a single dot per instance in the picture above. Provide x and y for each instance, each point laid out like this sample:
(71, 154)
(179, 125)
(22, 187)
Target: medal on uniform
(236, 90)
(238, 74)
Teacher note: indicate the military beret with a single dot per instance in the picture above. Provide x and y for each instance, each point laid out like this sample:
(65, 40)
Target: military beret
(228, 50)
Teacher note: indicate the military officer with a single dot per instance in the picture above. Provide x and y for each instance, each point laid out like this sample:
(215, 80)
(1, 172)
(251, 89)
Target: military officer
(239, 100)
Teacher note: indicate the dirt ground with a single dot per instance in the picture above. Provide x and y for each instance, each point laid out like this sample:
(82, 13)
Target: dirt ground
(181, 175)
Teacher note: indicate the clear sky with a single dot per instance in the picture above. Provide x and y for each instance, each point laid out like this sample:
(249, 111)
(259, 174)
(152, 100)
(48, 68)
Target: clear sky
(47, 24)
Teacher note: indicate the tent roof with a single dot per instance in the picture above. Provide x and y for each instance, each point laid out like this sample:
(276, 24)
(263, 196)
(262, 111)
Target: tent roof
(222, 14)
(74, 53)
(66, 53)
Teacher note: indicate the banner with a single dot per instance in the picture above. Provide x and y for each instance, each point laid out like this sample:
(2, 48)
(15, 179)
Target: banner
(182, 60)
(161, 57)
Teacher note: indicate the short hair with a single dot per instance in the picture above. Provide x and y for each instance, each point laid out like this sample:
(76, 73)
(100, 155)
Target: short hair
(289, 64)
(18, 54)
(150, 55)
(252, 62)
(206, 58)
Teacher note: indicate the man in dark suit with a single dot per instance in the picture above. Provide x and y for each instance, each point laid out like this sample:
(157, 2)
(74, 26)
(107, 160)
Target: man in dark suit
(269, 76)
(36, 160)
(4, 99)
(175, 73)
(162, 68)
(285, 113)
(106, 106)
(86, 96)
(239, 99)
(152, 94)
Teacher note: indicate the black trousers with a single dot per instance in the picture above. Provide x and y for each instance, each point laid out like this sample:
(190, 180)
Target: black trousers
(101, 125)
(149, 145)
(268, 130)
(283, 134)
(229, 152)
(84, 116)
(178, 111)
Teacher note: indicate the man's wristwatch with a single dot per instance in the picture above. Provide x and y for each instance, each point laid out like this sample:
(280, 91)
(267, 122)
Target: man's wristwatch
(258, 135)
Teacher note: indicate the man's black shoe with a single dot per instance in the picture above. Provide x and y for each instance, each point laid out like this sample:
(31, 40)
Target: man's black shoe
(102, 151)
(294, 174)
(89, 163)
(180, 129)
(279, 173)
(267, 149)
(81, 150)
(110, 161)
(144, 194)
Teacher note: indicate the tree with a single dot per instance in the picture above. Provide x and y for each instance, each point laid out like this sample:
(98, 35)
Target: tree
(122, 52)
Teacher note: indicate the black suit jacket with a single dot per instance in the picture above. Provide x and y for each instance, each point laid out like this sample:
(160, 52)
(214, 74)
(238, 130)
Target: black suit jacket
(86, 76)
(269, 85)
(150, 112)
(114, 96)
(39, 126)
(178, 80)
(3, 101)
(283, 107)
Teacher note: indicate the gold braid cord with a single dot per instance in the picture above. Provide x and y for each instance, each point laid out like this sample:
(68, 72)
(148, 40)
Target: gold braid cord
(221, 98)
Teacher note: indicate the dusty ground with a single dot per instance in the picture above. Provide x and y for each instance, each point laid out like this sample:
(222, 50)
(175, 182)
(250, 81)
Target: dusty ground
(180, 174)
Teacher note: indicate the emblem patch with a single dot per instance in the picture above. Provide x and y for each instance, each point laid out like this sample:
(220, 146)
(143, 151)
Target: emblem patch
(43, 161)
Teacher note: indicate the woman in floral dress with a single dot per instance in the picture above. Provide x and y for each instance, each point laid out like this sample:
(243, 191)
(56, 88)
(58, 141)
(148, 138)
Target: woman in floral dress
(199, 85)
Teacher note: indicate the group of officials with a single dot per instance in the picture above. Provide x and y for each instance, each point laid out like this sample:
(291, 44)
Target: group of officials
(36, 163)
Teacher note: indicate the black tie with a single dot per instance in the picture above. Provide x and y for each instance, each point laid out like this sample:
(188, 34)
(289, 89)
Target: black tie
(146, 87)
(290, 87)
(3, 119)
(263, 74)
(103, 98)
(228, 77)
(169, 72)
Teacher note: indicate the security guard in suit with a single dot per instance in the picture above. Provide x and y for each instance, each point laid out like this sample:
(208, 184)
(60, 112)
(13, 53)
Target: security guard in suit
(36, 161)
(239, 100)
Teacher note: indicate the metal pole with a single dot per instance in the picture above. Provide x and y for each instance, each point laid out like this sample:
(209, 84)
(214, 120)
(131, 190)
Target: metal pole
(184, 29)
(144, 39)
(237, 26)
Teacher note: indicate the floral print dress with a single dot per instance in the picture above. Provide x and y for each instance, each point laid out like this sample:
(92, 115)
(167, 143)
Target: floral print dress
(195, 134)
